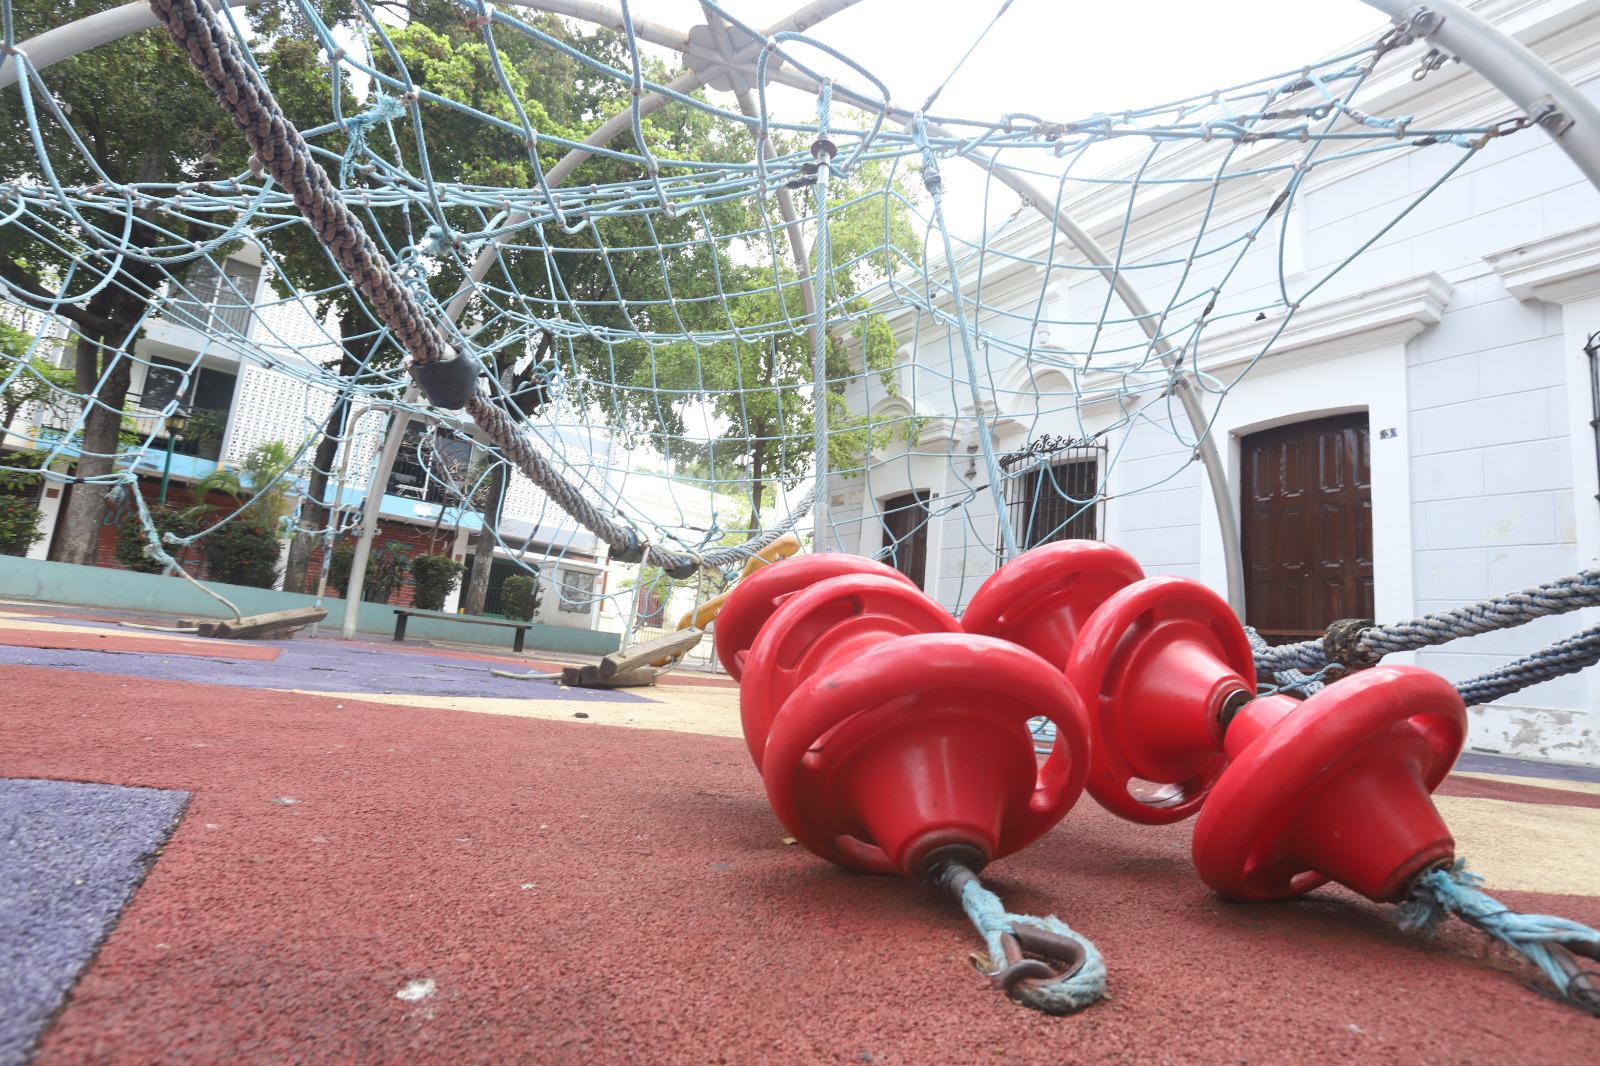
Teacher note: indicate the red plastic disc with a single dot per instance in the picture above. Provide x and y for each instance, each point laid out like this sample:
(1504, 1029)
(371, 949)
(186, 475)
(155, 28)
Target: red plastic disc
(1154, 665)
(755, 598)
(841, 617)
(1337, 788)
(1043, 597)
(880, 759)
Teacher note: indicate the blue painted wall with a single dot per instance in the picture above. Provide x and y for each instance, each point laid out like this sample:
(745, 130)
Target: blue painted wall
(91, 586)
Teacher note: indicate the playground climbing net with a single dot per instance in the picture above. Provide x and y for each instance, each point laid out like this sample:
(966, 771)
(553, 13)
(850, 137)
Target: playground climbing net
(697, 318)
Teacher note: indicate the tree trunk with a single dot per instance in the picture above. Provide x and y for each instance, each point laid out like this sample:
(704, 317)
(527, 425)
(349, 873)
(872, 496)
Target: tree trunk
(477, 589)
(758, 455)
(315, 514)
(80, 529)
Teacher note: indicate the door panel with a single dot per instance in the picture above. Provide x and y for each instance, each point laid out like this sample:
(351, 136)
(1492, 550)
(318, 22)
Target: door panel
(905, 534)
(1307, 526)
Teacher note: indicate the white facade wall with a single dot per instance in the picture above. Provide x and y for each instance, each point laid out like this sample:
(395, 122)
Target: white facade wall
(1461, 329)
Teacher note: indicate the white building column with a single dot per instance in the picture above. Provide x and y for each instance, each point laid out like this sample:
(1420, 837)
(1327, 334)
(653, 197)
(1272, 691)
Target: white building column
(1564, 270)
(458, 552)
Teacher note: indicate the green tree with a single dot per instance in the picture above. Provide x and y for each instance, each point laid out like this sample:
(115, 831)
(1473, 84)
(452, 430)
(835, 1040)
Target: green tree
(143, 116)
(264, 485)
(40, 380)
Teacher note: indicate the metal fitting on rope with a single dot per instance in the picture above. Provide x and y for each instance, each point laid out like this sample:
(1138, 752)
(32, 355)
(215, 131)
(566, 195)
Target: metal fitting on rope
(1341, 644)
(447, 383)
(633, 552)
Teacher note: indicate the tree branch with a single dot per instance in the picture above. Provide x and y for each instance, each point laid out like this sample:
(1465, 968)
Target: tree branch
(27, 289)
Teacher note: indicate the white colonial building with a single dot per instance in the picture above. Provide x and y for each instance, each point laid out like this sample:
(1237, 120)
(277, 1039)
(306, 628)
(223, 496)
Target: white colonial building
(1422, 433)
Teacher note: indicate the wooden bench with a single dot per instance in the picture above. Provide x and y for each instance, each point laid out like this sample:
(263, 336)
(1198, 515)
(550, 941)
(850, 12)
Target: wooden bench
(403, 613)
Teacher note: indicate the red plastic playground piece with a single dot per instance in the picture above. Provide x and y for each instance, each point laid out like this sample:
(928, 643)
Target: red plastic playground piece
(1334, 788)
(759, 594)
(1043, 597)
(890, 741)
(1158, 665)
(792, 645)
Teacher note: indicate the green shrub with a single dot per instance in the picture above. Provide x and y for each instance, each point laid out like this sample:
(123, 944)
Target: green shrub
(433, 577)
(519, 596)
(242, 552)
(131, 540)
(386, 571)
(19, 525)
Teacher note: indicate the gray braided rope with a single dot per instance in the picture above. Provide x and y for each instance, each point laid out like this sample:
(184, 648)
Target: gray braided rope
(1499, 612)
(282, 154)
(1563, 657)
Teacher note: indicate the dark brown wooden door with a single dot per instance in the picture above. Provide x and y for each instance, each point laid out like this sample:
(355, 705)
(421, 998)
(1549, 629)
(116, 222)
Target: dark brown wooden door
(1307, 536)
(905, 534)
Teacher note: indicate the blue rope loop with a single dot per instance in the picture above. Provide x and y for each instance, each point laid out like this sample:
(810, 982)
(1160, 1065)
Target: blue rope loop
(1069, 994)
(1550, 943)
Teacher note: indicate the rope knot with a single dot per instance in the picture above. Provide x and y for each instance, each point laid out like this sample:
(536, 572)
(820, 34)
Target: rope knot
(1341, 644)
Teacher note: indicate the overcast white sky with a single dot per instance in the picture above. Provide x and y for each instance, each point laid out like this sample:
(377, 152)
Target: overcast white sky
(1064, 59)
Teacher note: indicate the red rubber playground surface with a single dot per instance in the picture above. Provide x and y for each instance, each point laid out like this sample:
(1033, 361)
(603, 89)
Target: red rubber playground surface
(353, 881)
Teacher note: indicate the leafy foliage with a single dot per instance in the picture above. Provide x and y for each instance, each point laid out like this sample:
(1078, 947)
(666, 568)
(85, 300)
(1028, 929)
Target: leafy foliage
(19, 525)
(40, 381)
(131, 539)
(433, 578)
(242, 552)
(387, 567)
(520, 596)
(262, 484)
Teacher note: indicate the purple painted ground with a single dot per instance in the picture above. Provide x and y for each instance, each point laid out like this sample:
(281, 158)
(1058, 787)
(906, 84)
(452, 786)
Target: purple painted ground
(71, 855)
(1480, 763)
(319, 666)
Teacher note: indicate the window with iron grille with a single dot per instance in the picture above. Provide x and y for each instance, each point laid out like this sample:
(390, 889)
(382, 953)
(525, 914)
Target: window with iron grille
(218, 300)
(1056, 497)
(905, 534)
(577, 591)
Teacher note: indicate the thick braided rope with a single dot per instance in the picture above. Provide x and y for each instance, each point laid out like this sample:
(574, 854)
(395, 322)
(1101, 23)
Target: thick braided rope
(1542, 939)
(1084, 988)
(283, 155)
(1500, 612)
(1577, 652)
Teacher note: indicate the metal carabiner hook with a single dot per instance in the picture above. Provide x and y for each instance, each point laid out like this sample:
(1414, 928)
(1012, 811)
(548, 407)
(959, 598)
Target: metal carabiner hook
(1058, 957)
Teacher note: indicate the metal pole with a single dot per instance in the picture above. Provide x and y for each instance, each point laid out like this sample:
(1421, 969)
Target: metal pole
(166, 471)
(370, 508)
(1568, 116)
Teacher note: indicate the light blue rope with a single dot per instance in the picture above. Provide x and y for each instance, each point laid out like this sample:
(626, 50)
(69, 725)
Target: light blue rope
(1539, 938)
(1084, 988)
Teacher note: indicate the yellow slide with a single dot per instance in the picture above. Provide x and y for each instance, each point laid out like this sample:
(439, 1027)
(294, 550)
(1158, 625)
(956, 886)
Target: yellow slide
(782, 548)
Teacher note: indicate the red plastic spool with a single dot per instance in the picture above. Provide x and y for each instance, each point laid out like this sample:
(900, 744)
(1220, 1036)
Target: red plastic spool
(1042, 598)
(756, 596)
(1157, 665)
(887, 738)
(793, 645)
(1335, 788)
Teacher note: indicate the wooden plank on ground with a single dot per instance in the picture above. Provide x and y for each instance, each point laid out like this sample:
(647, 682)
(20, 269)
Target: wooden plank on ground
(256, 626)
(589, 677)
(658, 652)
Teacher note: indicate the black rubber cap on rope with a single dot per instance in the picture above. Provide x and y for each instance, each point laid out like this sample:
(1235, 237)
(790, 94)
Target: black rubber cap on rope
(449, 383)
(633, 553)
(683, 570)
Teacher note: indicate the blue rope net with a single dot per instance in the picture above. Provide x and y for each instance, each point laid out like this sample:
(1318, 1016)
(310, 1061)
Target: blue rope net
(692, 323)
(1567, 953)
